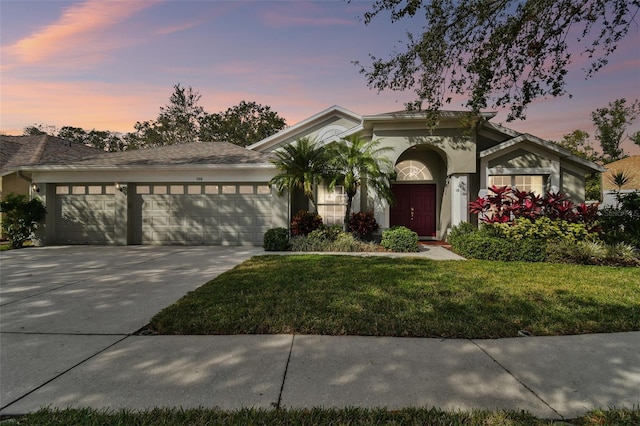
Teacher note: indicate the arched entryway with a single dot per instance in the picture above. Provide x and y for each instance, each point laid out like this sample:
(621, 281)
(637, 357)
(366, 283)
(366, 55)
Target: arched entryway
(417, 190)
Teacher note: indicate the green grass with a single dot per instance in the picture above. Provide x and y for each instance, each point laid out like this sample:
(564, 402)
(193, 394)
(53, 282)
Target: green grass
(314, 416)
(378, 296)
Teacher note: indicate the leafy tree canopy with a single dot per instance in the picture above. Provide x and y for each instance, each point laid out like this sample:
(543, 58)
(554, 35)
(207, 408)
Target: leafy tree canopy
(496, 52)
(243, 124)
(611, 125)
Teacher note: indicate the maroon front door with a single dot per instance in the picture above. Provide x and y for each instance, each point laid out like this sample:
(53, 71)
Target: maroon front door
(415, 208)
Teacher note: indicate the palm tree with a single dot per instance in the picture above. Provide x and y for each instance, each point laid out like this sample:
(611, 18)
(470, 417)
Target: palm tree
(356, 162)
(302, 165)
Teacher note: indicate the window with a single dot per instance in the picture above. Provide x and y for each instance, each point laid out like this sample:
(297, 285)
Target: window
(412, 170)
(533, 183)
(332, 205)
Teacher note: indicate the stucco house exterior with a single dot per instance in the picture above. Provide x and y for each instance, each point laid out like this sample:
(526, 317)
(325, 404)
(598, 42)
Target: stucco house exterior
(218, 193)
(630, 166)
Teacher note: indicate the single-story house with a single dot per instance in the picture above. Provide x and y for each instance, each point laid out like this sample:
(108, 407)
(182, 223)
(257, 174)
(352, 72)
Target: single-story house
(630, 167)
(218, 193)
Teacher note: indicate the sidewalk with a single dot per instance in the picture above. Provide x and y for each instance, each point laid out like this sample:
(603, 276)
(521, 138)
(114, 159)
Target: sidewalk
(552, 377)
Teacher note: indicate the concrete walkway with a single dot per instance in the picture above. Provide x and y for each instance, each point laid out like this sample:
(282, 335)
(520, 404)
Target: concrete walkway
(68, 317)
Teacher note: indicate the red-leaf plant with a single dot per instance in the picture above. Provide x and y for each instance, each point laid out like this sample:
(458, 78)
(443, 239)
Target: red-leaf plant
(503, 204)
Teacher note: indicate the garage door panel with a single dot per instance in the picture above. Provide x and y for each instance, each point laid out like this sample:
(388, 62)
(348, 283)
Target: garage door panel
(84, 214)
(204, 214)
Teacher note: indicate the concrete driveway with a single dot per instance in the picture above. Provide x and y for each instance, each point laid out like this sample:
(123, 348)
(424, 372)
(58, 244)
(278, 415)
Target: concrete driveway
(60, 306)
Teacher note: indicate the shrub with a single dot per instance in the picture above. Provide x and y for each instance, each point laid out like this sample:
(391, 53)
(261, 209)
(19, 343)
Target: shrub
(622, 224)
(305, 222)
(543, 228)
(276, 239)
(362, 225)
(330, 239)
(487, 243)
(400, 239)
(20, 217)
(593, 253)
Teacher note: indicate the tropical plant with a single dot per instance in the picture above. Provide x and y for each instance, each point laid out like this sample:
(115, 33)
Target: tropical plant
(302, 165)
(305, 222)
(620, 178)
(20, 217)
(356, 162)
(362, 225)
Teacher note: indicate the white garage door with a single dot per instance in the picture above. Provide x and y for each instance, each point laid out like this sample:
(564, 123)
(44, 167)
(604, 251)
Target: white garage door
(214, 214)
(84, 214)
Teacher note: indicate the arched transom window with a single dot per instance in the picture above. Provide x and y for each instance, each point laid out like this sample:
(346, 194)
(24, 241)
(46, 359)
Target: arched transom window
(412, 170)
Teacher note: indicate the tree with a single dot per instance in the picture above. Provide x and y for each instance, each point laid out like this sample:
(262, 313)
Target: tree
(356, 162)
(243, 124)
(178, 121)
(611, 124)
(578, 143)
(302, 165)
(39, 129)
(496, 52)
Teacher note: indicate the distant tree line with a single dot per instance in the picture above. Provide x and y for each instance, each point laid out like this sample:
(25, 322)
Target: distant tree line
(182, 120)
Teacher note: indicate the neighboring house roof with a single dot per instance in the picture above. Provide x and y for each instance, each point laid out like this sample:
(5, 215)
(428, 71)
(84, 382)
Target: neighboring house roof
(550, 146)
(629, 165)
(18, 151)
(205, 154)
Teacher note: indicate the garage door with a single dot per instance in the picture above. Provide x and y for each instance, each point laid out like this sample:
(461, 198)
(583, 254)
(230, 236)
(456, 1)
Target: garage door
(214, 214)
(84, 214)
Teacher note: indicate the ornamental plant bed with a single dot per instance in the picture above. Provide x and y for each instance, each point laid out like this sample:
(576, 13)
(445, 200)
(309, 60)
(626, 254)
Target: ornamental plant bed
(378, 296)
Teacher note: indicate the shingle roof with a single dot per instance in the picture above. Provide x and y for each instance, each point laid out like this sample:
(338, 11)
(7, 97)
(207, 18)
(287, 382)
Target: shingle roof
(630, 165)
(197, 153)
(16, 151)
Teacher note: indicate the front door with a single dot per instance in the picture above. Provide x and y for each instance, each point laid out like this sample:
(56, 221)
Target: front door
(415, 208)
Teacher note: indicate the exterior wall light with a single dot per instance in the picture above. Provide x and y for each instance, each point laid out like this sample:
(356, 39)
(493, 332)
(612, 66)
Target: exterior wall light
(35, 187)
(121, 187)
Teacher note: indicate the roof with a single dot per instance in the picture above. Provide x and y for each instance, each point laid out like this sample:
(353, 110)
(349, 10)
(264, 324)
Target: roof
(17, 151)
(629, 165)
(189, 154)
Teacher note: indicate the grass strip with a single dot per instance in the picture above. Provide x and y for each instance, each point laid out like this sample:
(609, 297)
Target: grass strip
(313, 416)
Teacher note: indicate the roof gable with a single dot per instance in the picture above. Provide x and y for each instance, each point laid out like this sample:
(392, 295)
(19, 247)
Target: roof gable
(549, 146)
(308, 126)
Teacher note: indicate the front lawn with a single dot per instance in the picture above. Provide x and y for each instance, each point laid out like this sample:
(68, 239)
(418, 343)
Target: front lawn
(378, 296)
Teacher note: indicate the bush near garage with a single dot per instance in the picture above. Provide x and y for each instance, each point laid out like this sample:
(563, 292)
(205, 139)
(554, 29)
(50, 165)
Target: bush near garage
(20, 217)
(593, 253)
(276, 239)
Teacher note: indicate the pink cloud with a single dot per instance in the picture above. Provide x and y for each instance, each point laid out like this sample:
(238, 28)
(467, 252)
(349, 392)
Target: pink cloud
(76, 29)
(301, 14)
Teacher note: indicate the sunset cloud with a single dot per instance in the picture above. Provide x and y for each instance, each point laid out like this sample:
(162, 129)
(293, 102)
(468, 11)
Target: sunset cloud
(76, 29)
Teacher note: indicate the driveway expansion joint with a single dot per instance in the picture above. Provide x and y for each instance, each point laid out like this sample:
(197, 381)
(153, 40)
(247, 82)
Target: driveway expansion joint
(517, 379)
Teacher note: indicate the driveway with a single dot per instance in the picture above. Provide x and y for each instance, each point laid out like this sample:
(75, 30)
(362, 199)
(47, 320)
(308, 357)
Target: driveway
(60, 306)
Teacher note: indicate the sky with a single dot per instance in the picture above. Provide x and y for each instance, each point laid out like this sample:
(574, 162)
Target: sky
(106, 64)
